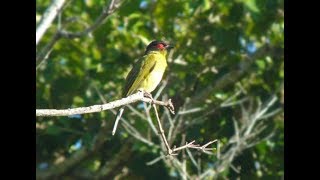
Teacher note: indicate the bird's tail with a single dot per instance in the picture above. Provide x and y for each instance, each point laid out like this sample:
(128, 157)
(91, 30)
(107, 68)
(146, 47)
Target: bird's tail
(119, 114)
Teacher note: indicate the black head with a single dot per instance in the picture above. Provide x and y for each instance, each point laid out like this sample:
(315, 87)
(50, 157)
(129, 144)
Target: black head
(158, 46)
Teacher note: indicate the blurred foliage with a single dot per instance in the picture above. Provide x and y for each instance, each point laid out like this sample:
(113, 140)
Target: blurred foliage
(211, 39)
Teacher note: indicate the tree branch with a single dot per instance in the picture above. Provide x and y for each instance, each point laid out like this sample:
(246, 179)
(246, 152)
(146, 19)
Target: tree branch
(245, 136)
(48, 17)
(98, 108)
(45, 51)
(188, 145)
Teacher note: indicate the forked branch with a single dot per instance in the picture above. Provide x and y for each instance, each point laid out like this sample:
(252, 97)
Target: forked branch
(187, 145)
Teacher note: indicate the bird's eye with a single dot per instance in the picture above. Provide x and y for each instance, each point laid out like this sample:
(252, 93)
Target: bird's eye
(160, 46)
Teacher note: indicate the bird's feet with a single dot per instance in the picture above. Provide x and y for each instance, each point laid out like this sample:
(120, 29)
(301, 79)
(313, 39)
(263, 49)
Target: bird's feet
(148, 95)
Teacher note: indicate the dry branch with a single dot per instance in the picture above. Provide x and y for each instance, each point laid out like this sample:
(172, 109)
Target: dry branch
(98, 108)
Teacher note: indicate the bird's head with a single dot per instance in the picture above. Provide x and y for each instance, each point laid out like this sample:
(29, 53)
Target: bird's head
(158, 46)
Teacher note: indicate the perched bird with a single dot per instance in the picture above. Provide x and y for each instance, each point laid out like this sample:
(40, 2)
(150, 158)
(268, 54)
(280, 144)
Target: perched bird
(146, 74)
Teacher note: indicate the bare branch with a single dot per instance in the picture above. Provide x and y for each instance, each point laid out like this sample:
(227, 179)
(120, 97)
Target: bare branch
(235, 169)
(156, 160)
(193, 110)
(228, 101)
(136, 112)
(47, 18)
(178, 165)
(218, 149)
(188, 145)
(246, 136)
(271, 113)
(149, 120)
(260, 113)
(45, 51)
(227, 104)
(161, 131)
(192, 159)
(260, 140)
(132, 131)
(161, 88)
(98, 108)
(204, 148)
(184, 162)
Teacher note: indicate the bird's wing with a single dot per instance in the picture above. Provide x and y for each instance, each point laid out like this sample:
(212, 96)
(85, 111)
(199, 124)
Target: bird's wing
(138, 73)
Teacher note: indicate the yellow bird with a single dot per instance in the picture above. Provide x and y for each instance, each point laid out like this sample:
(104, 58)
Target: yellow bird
(146, 74)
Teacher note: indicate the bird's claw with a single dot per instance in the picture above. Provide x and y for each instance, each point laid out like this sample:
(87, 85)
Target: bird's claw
(148, 95)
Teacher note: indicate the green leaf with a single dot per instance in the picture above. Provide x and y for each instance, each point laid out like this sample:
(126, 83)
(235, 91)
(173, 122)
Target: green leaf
(251, 5)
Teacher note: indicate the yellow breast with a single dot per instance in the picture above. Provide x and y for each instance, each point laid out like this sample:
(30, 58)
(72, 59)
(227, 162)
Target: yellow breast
(154, 77)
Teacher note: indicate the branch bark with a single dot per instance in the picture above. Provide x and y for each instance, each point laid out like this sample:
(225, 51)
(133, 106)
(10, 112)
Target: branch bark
(139, 96)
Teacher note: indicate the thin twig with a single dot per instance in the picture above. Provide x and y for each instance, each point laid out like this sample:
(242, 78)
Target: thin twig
(184, 162)
(45, 51)
(199, 166)
(274, 112)
(132, 131)
(204, 148)
(193, 110)
(229, 100)
(136, 112)
(162, 156)
(161, 88)
(175, 129)
(178, 165)
(218, 149)
(188, 145)
(227, 104)
(235, 169)
(260, 140)
(172, 126)
(167, 113)
(192, 159)
(149, 120)
(161, 132)
(260, 113)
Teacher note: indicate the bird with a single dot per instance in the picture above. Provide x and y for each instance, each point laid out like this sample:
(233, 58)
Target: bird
(146, 74)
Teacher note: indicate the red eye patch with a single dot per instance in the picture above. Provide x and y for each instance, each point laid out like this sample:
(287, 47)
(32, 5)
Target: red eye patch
(160, 46)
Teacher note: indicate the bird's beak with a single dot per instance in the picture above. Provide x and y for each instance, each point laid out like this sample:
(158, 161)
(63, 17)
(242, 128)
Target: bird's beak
(169, 46)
